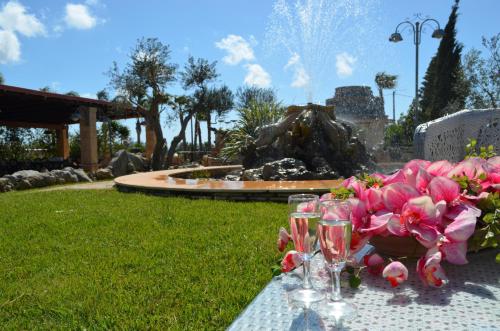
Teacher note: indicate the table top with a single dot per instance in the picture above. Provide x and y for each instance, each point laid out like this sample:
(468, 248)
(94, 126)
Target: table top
(470, 301)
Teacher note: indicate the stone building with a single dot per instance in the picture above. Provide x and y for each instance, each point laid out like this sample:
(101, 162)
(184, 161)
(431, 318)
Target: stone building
(357, 105)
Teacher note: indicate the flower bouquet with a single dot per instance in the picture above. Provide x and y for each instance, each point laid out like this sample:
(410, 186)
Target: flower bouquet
(443, 209)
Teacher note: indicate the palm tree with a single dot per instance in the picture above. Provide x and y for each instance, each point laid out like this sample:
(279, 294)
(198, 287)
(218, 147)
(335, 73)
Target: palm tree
(385, 81)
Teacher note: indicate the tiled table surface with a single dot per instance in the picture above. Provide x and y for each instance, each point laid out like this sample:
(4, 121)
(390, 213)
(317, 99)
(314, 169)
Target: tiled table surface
(470, 301)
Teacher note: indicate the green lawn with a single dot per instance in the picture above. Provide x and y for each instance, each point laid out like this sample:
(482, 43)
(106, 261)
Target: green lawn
(107, 260)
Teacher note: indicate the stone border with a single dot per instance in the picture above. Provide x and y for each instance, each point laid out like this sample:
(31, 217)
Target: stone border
(166, 183)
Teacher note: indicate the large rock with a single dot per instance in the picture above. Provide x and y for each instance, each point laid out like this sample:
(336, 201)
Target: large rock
(103, 174)
(79, 173)
(320, 146)
(5, 185)
(25, 179)
(64, 176)
(124, 163)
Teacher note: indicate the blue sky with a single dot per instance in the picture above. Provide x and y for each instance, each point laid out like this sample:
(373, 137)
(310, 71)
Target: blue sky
(70, 45)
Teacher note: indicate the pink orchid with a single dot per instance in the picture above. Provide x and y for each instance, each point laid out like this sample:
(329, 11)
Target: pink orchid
(359, 216)
(396, 273)
(374, 264)
(493, 163)
(283, 239)
(473, 168)
(420, 218)
(439, 168)
(416, 164)
(418, 178)
(397, 177)
(326, 196)
(374, 199)
(429, 268)
(443, 188)
(291, 260)
(396, 195)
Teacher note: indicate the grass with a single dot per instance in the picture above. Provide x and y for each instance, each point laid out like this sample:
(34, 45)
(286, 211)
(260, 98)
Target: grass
(104, 260)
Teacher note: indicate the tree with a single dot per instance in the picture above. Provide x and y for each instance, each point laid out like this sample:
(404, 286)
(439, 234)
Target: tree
(143, 82)
(197, 73)
(444, 87)
(46, 89)
(483, 74)
(73, 93)
(220, 101)
(247, 95)
(102, 95)
(2, 80)
(384, 81)
(184, 109)
(112, 133)
(246, 131)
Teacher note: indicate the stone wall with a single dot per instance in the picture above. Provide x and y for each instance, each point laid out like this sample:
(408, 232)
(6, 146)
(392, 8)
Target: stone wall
(445, 138)
(357, 105)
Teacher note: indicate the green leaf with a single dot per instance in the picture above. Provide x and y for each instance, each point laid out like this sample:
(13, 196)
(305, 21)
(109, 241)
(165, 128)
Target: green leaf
(276, 270)
(354, 281)
(497, 259)
(350, 270)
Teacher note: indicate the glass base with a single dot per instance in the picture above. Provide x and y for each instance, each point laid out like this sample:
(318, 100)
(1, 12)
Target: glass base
(338, 311)
(306, 296)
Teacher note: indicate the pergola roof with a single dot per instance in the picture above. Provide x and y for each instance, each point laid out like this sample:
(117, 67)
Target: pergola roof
(20, 107)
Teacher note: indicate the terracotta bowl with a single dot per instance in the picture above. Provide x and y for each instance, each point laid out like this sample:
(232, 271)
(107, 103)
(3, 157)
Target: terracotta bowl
(398, 246)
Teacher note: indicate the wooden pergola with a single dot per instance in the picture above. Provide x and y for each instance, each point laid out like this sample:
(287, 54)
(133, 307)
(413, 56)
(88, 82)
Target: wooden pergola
(25, 108)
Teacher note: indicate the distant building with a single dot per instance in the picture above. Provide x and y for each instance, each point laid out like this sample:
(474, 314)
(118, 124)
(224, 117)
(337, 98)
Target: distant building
(357, 105)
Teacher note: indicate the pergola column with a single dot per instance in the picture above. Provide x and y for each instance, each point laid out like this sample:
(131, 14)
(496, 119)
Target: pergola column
(88, 139)
(150, 141)
(62, 142)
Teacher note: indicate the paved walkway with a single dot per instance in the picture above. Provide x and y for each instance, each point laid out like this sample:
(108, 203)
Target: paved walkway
(101, 185)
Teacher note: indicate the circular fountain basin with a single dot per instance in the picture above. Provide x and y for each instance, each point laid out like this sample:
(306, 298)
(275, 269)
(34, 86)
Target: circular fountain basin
(170, 183)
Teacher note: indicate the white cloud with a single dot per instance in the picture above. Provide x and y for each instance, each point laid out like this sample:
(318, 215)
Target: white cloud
(10, 48)
(300, 76)
(345, 64)
(13, 17)
(238, 49)
(257, 76)
(79, 17)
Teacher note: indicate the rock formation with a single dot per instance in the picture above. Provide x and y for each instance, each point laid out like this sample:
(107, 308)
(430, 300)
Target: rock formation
(307, 144)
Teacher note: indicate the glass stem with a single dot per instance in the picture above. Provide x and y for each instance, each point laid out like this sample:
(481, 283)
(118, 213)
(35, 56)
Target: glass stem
(335, 275)
(306, 265)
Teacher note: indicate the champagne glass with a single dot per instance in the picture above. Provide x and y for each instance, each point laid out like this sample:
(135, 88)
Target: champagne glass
(303, 217)
(334, 232)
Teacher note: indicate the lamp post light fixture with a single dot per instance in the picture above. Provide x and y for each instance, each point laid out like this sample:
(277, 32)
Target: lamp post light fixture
(417, 35)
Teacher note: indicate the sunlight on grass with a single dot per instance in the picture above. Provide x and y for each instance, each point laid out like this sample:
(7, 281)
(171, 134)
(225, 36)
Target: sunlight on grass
(102, 259)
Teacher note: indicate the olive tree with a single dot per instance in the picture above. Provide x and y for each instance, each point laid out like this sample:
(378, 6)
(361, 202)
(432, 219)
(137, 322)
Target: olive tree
(143, 82)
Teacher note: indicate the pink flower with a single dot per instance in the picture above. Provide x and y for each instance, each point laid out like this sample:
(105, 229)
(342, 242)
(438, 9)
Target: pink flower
(359, 216)
(374, 264)
(396, 273)
(416, 164)
(439, 168)
(473, 168)
(443, 188)
(396, 195)
(326, 196)
(493, 163)
(374, 199)
(453, 244)
(429, 269)
(283, 239)
(420, 218)
(291, 260)
(397, 177)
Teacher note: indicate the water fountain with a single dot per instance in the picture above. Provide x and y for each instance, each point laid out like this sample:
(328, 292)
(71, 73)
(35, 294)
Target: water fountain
(308, 143)
(308, 149)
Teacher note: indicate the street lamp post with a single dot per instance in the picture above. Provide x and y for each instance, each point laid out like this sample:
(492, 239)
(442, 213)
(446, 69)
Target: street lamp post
(417, 35)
